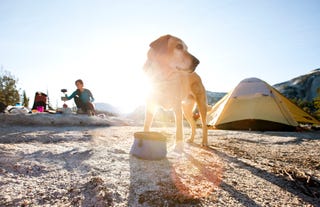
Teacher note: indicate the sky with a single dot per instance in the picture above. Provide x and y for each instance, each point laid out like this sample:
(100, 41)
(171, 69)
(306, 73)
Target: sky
(47, 45)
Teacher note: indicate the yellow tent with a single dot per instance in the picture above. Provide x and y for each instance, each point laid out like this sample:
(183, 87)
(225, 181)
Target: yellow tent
(255, 105)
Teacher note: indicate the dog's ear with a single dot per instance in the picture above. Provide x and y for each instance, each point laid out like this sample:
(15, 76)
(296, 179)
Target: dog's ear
(160, 44)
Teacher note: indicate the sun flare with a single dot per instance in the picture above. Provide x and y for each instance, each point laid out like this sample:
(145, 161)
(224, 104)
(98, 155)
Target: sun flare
(134, 91)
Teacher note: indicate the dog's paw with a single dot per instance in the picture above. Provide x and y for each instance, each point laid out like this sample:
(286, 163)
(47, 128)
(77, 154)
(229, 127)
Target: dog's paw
(204, 145)
(178, 148)
(190, 140)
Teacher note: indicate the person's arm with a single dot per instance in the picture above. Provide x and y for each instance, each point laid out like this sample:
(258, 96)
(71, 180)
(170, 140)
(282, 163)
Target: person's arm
(92, 99)
(90, 96)
(72, 95)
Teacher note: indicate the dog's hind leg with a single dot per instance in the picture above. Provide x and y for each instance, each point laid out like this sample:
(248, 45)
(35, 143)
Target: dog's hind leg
(202, 105)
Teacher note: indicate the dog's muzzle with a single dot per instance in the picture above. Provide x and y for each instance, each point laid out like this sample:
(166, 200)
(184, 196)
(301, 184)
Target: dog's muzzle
(195, 63)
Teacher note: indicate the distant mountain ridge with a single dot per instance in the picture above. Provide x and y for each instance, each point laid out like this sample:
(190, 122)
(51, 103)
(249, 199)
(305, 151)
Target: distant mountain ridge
(214, 97)
(303, 87)
(105, 107)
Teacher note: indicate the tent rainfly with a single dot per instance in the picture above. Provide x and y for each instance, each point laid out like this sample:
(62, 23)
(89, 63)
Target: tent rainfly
(255, 105)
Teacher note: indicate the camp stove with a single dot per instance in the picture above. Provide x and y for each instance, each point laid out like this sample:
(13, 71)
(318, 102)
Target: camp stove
(64, 98)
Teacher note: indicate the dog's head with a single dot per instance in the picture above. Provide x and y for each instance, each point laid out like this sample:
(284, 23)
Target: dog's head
(170, 54)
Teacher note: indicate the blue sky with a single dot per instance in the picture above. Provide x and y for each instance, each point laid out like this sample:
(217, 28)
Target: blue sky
(47, 44)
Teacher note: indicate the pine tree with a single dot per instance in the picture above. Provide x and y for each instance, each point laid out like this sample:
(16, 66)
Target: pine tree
(9, 95)
(25, 101)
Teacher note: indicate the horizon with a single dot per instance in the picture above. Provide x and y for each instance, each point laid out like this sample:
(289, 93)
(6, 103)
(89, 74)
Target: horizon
(48, 45)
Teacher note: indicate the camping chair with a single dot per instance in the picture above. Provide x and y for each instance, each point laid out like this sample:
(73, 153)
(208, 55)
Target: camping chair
(40, 99)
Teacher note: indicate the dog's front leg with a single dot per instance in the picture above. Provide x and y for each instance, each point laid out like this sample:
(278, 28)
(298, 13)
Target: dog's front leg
(149, 114)
(179, 130)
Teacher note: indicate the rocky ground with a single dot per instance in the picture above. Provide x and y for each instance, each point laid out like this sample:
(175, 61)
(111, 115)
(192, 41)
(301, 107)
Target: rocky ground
(91, 166)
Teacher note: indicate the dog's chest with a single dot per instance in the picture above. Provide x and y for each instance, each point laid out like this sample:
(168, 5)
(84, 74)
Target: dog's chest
(169, 94)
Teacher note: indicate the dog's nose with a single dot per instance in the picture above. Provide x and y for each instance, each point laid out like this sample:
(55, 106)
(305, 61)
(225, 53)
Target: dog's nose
(195, 61)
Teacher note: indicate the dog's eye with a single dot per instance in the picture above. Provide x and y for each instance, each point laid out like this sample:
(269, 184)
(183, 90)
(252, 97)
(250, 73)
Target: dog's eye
(179, 46)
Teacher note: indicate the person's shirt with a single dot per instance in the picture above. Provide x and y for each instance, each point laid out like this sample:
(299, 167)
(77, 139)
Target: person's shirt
(85, 96)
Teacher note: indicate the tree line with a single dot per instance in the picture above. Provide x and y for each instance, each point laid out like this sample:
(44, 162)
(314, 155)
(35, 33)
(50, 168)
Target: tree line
(9, 94)
(312, 107)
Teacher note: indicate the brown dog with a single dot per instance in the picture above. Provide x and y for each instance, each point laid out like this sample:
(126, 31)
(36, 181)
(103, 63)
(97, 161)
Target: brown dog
(175, 85)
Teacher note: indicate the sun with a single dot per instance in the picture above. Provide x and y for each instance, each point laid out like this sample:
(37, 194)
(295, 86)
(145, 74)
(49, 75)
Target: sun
(134, 90)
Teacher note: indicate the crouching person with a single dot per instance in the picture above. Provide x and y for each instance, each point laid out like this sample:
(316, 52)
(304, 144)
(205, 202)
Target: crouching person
(83, 99)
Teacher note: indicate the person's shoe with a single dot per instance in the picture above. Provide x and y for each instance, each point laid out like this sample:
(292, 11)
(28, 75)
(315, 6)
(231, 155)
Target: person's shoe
(90, 112)
(79, 111)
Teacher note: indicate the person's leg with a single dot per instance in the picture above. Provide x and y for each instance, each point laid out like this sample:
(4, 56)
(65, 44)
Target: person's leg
(90, 109)
(77, 101)
(81, 108)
